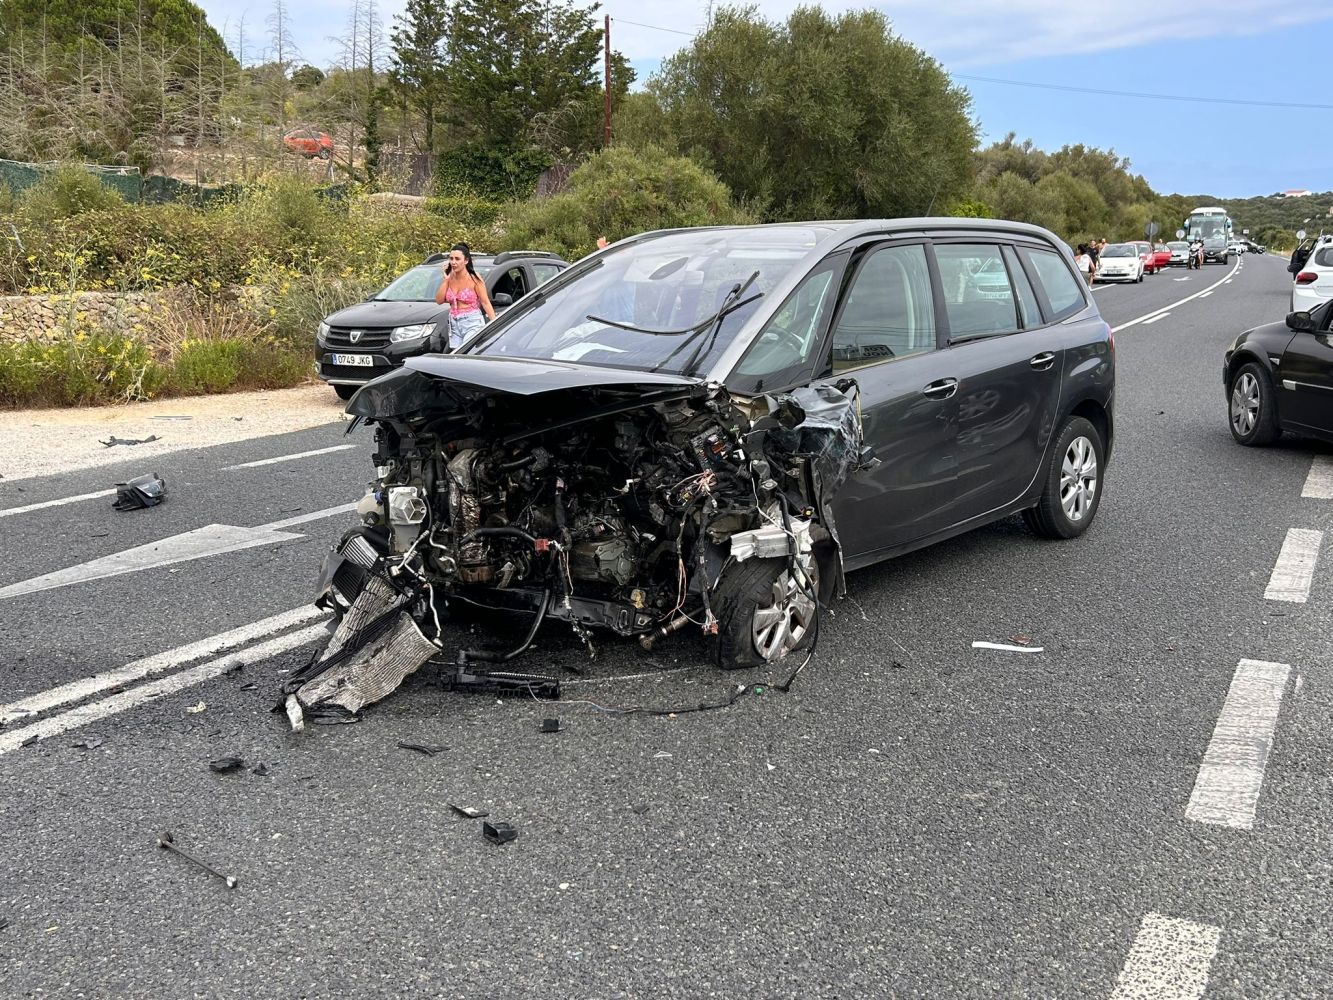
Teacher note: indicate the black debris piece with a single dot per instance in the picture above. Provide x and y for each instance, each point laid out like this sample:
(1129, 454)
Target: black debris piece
(115, 440)
(143, 491)
(3, 923)
(88, 743)
(260, 770)
(467, 812)
(895, 665)
(29, 741)
(640, 807)
(233, 670)
(498, 833)
(248, 687)
(550, 725)
(426, 749)
(225, 765)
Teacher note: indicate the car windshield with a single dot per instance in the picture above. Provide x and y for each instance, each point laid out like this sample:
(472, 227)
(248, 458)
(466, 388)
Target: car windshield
(417, 285)
(1178, 245)
(1120, 250)
(650, 306)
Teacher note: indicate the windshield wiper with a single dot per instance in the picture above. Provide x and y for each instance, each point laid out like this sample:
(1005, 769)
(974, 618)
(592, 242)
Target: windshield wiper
(729, 306)
(702, 325)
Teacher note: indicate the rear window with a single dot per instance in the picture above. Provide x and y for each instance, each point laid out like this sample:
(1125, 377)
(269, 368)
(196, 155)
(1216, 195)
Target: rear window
(1063, 290)
(1324, 257)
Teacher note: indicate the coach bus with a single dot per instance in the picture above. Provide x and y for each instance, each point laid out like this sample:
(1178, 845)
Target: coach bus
(1211, 225)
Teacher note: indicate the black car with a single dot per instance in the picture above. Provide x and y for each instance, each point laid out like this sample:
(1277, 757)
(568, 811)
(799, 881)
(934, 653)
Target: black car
(361, 342)
(1279, 377)
(703, 429)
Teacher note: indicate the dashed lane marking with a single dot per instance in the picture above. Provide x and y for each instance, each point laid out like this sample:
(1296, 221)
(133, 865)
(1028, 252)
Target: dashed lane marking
(1172, 305)
(288, 458)
(98, 710)
(1148, 322)
(1226, 793)
(86, 687)
(1319, 483)
(1293, 573)
(1170, 960)
(56, 503)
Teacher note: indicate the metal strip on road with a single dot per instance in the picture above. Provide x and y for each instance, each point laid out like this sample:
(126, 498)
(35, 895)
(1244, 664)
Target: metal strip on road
(98, 710)
(287, 458)
(56, 503)
(1170, 960)
(86, 687)
(1319, 483)
(1226, 793)
(1172, 305)
(1293, 573)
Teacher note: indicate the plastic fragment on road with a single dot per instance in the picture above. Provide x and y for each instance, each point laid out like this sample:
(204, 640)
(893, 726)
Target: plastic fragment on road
(551, 726)
(225, 765)
(88, 743)
(130, 441)
(197, 708)
(1005, 648)
(499, 833)
(425, 749)
(142, 491)
(467, 812)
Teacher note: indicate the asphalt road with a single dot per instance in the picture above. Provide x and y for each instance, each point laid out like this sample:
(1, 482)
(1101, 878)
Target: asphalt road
(916, 818)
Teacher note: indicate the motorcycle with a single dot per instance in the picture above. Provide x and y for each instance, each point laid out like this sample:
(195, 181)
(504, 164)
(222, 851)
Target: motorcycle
(1196, 256)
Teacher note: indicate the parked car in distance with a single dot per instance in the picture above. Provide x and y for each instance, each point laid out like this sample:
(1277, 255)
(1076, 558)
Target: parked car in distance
(1279, 377)
(1147, 256)
(708, 425)
(361, 342)
(1161, 256)
(1180, 253)
(1252, 247)
(309, 142)
(1314, 281)
(1120, 262)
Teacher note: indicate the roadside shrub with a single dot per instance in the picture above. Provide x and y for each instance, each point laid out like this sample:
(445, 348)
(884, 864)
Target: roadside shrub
(207, 366)
(78, 370)
(616, 193)
(468, 209)
(68, 191)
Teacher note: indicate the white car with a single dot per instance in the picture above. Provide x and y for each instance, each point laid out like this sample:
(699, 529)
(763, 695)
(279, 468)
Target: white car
(1235, 248)
(1314, 281)
(1120, 262)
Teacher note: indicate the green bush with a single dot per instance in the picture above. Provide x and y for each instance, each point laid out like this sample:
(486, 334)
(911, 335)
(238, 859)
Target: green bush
(468, 209)
(68, 191)
(619, 192)
(207, 366)
(79, 370)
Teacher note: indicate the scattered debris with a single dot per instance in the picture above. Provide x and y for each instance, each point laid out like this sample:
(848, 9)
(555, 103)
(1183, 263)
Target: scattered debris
(498, 833)
(260, 770)
(196, 709)
(422, 748)
(142, 491)
(551, 726)
(3, 923)
(88, 743)
(29, 741)
(1007, 649)
(225, 765)
(640, 808)
(130, 441)
(1022, 640)
(661, 755)
(168, 842)
(171, 416)
(251, 686)
(895, 665)
(233, 670)
(771, 766)
(467, 812)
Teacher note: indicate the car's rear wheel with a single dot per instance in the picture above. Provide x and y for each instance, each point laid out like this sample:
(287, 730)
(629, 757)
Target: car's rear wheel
(1073, 487)
(346, 391)
(763, 613)
(1253, 406)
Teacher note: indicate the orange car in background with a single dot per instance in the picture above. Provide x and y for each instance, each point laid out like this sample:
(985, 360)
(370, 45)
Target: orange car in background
(309, 142)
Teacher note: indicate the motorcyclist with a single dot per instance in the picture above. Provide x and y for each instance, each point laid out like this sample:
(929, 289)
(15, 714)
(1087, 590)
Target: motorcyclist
(1196, 251)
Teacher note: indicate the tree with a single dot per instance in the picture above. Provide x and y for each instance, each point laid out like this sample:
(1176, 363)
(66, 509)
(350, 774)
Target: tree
(417, 65)
(307, 77)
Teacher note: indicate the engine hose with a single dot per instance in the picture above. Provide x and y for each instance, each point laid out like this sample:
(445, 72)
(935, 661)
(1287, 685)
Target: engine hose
(518, 463)
(518, 533)
(492, 656)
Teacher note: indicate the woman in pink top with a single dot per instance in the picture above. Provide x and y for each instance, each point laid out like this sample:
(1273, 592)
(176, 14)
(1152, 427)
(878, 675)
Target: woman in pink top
(465, 292)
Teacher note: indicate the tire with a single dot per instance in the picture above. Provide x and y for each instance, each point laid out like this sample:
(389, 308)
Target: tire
(346, 392)
(1252, 406)
(746, 591)
(1073, 488)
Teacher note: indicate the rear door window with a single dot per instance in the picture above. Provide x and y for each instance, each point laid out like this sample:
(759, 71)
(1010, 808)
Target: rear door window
(978, 295)
(1028, 311)
(545, 272)
(1063, 291)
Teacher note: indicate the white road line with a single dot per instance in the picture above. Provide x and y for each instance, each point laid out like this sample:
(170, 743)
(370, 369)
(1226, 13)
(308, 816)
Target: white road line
(56, 503)
(82, 716)
(1146, 322)
(210, 540)
(1226, 793)
(288, 458)
(86, 687)
(1204, 295)
(317, 515)
(1319, 483)
(1167, 308)
(1170, 960)
(1294, 571)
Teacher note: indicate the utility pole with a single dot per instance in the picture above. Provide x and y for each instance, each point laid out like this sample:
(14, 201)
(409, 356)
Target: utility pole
(606, 59)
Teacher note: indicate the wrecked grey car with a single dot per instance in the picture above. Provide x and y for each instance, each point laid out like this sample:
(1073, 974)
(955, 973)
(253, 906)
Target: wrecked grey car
(702, 429)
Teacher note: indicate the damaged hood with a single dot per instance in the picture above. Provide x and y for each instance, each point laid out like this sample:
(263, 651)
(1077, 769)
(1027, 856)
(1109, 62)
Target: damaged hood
(449, 382)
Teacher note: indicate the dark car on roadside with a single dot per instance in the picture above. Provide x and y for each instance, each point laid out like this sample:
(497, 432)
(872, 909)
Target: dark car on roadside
(702, 429)
(1279, 377)
(356, 344)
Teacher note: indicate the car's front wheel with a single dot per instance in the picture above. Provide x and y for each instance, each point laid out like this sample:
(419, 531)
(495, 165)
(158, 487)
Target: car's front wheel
(764, 610)
(1072, 489)
(1253, 406)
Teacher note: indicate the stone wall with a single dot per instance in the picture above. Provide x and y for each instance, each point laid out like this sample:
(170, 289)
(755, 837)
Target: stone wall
(47, 317)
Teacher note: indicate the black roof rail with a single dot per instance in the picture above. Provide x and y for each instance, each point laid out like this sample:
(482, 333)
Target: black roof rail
(436, 258)
(509, 255)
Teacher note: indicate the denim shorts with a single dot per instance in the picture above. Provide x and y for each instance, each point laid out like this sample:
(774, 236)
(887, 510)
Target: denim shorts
(464, 326)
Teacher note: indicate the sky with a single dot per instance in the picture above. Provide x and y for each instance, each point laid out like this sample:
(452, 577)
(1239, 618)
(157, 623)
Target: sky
(1243, 56)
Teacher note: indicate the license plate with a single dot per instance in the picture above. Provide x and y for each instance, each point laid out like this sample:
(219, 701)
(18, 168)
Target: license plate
(355, 360)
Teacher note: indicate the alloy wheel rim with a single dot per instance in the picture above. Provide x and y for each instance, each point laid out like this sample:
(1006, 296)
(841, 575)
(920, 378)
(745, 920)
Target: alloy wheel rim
(1078, 479)
(783, 624)
(1245, 404)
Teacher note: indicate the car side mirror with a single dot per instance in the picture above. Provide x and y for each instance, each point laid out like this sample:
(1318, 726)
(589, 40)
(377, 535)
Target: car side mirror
(1301, 322)
(502, 300)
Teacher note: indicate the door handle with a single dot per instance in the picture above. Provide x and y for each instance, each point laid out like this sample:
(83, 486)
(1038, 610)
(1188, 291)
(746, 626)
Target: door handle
(1042, 361)
(941, 388)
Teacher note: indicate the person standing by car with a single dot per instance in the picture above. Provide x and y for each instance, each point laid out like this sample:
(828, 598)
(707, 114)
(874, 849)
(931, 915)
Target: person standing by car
(1083, 261)
(465, 292)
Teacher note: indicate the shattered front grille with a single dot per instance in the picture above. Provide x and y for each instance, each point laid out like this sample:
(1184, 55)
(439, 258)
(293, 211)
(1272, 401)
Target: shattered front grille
(369, 338)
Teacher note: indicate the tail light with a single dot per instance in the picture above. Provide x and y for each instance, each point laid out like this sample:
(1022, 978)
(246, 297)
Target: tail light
(1306, 278)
